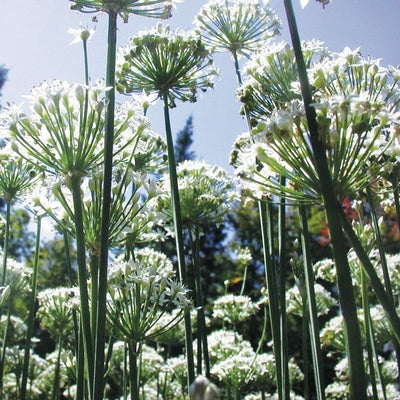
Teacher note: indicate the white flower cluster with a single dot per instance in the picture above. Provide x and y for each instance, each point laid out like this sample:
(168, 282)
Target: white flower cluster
(356, 103)
(234, 309)
(323, 298)
(55, 310)
(146, 8)
(238, 26)
(141, 292)
(168, 63)
(205, 194)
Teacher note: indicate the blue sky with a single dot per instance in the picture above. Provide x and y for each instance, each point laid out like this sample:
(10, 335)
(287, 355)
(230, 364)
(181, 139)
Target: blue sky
(35, 46)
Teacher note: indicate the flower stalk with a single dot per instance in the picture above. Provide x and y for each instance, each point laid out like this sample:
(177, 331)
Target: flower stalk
(202, 345)
(82, 278)
(347, 301)
(178, 235)
(5, 246)
(312, 307)
(272, 288)
(100, 319)
(31, 316)
(376, 284)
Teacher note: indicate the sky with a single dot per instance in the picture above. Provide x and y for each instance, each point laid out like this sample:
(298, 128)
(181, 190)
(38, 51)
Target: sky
(35, 46)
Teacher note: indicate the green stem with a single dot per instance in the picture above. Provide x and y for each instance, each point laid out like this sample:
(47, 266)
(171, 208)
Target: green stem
(79, 355)
(80, 367)
(396, 197)
(376, 284)
(178, 235)
(385, 269)
(94, 291)
(339, 250)
(125, 373)
(85, 61)
(82, 278)
(133, 371)
(3, 281)
(244, 280)
(201, 320)
(4, 344)
(368, 334)
(282, 295)
(5, 246)
(240, 82)
(379, 243)
(56, 381)
(31, 316)
(272, 289)
(312, 308)
(100, 328)
(304, 336)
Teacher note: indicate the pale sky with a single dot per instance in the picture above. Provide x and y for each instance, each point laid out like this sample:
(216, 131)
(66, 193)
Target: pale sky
(35, 47)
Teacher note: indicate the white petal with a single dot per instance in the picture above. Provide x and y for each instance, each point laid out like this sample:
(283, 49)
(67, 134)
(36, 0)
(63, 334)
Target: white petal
(303, 3)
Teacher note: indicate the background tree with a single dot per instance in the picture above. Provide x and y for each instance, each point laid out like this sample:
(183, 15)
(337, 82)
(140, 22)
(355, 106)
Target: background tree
(184, 139)
(3, 76)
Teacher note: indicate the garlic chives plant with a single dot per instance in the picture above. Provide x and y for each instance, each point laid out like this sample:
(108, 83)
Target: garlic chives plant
(141, 291)
(122, 8)
(205, 194)
(243, 28)
(174, 65)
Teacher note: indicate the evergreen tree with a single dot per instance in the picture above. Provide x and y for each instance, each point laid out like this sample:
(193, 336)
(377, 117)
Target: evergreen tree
(3, 76)
(183, 142)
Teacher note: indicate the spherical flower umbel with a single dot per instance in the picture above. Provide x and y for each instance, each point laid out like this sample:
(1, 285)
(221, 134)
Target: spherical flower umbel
(171, 63)
(55, 310)
(272, 77)
(141, 291)
(16, 175)
(59, 135)
(146, 8)
(356, 106)
(237, 26)
(205, 193)
(234, 309)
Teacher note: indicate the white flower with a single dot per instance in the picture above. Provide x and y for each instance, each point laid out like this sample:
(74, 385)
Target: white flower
(223, 344)
(82, 34)
(237, 26)
(141, 292)
(304, 3)
(234, 309)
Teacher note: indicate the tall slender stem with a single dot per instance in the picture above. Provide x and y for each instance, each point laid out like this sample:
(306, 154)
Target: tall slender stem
(304, 336)
(312, 308)
(385, 270)
(178, 234)
(282, 294)
(3, 281)
(5, 246)
(31, 316)
(395, 185)
(201, 320)
(281, 329)
(56, 381)
(98, 383)
(133, 371)
(79, 354)
(4, 344)
(271, 285)
(369, 338)
(82, 278)
(85, 62)
(339, 250)
(376, 284)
